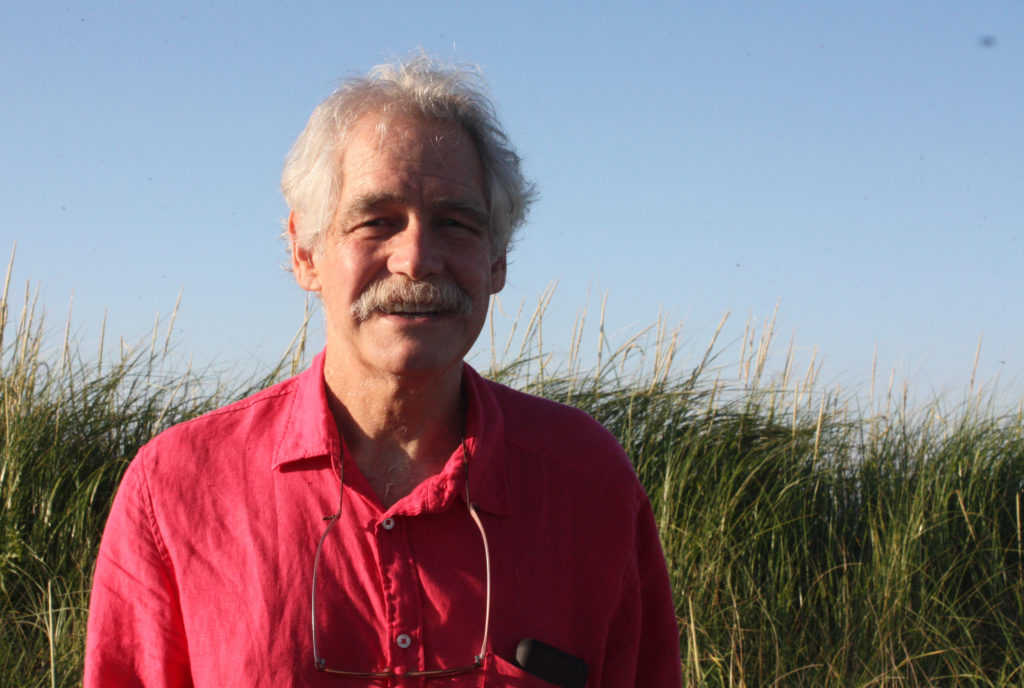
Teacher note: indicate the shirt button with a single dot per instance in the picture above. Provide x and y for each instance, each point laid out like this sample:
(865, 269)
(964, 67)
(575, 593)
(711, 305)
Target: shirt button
(403, 641)
(388, 524)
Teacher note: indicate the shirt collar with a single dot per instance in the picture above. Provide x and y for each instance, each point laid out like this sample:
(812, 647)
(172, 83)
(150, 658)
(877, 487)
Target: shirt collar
(307, 430)
(485, 440)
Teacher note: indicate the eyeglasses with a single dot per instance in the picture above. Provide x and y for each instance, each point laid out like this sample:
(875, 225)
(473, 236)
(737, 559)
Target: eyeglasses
(478, 661)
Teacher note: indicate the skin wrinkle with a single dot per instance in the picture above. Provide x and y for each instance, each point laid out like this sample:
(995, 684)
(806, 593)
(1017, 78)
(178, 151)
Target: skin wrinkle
(382, 296)
(371, 202)
(453, 132)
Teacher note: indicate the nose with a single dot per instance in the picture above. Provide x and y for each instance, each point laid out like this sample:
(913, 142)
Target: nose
(414, 251)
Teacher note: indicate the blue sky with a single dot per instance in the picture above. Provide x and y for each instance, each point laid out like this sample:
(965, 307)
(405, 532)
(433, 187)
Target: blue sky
(858, 163)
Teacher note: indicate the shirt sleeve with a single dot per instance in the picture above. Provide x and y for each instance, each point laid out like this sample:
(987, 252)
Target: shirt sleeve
(135, 635)
(644, 650)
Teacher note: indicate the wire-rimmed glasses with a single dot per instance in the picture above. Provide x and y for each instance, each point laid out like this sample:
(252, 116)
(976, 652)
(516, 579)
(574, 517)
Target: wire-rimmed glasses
(478, 660)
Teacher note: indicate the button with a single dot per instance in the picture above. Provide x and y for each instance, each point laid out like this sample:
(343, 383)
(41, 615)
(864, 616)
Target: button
(403, 641)
(388, 523)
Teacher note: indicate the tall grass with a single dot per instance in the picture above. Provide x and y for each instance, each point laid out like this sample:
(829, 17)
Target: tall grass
(808, 544)
(68, 428)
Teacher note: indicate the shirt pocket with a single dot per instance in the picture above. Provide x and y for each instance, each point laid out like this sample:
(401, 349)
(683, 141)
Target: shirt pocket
(499, 673)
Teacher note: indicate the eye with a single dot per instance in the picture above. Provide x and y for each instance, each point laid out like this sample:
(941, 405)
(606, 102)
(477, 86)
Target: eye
(375, 225)
(456, 224)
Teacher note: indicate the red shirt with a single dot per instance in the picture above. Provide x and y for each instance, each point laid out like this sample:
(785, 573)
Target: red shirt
(205, 569)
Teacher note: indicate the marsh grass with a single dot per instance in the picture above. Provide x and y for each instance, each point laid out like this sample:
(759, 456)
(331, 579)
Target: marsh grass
(68, 428)
(808, 543)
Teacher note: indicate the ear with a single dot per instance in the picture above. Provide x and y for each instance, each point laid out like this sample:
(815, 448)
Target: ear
(303, 260)
(498, 268)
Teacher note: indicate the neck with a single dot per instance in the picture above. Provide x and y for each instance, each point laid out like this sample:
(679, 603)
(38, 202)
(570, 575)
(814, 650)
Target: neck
(400, 431)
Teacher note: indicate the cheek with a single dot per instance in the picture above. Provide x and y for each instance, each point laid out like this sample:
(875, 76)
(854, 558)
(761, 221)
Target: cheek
(351, 272)
(479, 282)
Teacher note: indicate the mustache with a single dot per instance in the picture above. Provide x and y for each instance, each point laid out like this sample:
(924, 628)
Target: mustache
(394, 295)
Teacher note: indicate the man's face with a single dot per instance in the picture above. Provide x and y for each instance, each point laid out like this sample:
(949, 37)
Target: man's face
(412, 213)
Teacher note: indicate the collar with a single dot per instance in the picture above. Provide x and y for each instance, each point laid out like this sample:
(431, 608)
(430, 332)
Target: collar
(307, 430)
(485, 440)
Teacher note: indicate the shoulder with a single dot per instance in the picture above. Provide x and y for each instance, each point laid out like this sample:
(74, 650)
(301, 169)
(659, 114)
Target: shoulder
(229, 423)
(239, 437)
(557, 434)
(212, 461)
(526, 412)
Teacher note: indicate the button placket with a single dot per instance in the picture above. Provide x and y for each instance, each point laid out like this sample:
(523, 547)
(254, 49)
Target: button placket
(401, 593)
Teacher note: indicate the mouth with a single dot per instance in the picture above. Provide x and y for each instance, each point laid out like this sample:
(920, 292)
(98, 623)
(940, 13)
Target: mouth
(413, 309)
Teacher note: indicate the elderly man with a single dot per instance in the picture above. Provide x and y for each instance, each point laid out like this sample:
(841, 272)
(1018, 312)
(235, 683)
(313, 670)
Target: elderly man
(388, 517)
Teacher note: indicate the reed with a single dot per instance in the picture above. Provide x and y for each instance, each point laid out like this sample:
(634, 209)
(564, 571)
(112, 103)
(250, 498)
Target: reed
(69, 425)
(808, 543)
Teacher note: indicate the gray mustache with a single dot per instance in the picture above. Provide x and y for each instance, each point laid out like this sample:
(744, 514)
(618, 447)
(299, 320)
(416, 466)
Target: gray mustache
(381, 297)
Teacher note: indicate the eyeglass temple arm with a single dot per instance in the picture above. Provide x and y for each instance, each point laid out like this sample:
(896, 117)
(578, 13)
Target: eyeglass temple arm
(333, 518)
(487, 562)
(319, 661)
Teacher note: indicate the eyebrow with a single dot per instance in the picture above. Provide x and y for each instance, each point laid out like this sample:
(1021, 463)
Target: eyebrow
(372, 201)
(478, 214)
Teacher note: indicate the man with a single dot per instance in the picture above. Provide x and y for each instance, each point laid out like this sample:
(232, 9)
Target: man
(388, 517)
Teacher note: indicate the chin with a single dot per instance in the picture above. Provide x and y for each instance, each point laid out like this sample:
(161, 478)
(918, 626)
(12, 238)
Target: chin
(420, 363)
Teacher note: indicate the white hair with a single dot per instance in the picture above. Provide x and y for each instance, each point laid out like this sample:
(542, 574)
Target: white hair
(423, 86)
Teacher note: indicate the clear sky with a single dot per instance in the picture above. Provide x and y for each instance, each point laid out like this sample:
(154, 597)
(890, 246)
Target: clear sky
(859, 163)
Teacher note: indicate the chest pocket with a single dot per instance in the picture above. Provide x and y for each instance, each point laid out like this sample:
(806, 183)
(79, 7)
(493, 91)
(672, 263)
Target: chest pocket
(499, 673)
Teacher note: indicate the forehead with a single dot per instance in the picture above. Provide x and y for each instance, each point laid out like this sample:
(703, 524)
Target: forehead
(402, 150)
